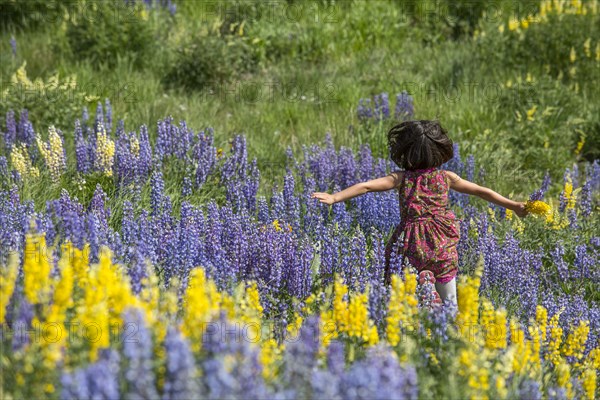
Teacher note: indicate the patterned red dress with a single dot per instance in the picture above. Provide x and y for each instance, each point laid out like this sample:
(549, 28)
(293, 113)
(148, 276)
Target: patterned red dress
(428, 229)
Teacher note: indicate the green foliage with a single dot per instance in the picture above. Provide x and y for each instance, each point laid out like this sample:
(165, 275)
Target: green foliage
(101, 32)
(56, 100)
(29, 14)
(207, 61)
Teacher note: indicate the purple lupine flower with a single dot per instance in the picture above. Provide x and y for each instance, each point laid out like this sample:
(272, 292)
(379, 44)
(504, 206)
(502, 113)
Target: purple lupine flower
(292, 206)
(138, 353)
(74, 385)
(575, 175)
(205, 155)
(404, 106)
(85, 116)
(144, 163)
(300, 359)
(108, 116)
(93, 235)
(157, 188)
(585, 199)
(382, 106)
(25, 131)
(563, 199)
(379, 376)
(572, 217)
(583, 263)
(99, 120)
(231, 366)
(82, 152)
(530, 389)
(557, 393)
(470, 167)
(13, 46)
(22, 325)
(181, 374)
(364, 110)
(4, 174)
(539, 194)
(263, 210)
(98, 381)
(10, 136)
(186, 187)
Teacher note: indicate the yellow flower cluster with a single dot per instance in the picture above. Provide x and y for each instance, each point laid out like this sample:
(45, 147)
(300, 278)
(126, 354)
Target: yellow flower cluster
(589, 383)
(494, 323)
(537, 207)
(19, 156)
(36, 269)
(39, 87)
(53, 153)
(575, 343)
(468, 305)
(569, 195)
(105, 151)
(202, 304)
(402, 307)
(348, 317)
(8, 277)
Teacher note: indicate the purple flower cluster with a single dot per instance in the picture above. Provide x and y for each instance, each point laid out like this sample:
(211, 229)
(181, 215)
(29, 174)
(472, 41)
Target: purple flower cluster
(99, 380)
(290, 242)
(378, 108)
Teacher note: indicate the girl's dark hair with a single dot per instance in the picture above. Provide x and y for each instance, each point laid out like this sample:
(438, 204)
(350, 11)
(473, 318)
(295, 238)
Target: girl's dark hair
(419, 145)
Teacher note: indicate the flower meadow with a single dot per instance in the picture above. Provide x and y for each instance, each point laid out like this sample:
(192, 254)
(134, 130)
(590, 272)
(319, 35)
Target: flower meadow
(258, 291)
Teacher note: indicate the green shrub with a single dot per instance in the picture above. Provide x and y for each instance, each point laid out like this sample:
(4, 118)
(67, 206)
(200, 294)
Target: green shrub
(210, 60)
(54, 101)
(104, 31)
(30, 13)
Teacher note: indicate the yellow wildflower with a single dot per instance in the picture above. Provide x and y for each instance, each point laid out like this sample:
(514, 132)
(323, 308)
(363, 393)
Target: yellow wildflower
(513, 24)
(8, 277)
(468, 306)
(36, 269)
(531, 112)
(538, 207)
(105, 151)
(563, 372)
(568, 194)
(501, 389)
(587, 47)
(277, 225)
(572, 55)
(589, 383)
(201, 306)
(270, 353)
(541, 319)
(19, 157)
(509, 215)
(53, 153)
(134, 144)
(555, 340)
(575, 343)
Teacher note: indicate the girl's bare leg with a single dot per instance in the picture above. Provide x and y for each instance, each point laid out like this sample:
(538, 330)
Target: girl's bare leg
(447, 291)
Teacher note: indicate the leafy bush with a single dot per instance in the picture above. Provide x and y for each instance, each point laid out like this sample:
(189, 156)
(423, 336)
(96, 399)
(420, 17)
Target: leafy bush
(29, 14)
(55, 101)
(552, 41)
(210, 60)
(104, 31)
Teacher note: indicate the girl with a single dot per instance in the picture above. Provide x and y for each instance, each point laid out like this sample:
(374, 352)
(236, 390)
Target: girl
(428, 227)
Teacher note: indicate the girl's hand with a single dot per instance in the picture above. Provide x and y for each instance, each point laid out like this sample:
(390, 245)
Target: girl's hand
(323, 197)
(519, 209)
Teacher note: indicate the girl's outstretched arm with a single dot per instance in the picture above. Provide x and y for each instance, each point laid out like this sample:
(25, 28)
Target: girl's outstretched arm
(464, 186)
(376, 185)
